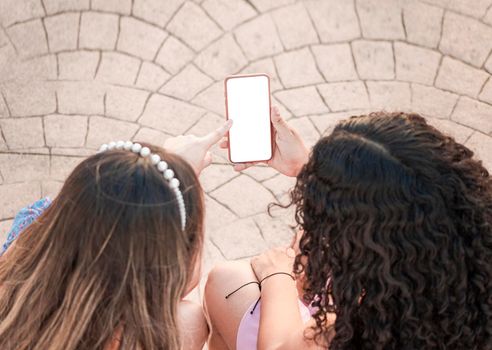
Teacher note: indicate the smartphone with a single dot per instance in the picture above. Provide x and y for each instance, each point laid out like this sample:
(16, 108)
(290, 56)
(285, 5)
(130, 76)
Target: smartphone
(247, 100)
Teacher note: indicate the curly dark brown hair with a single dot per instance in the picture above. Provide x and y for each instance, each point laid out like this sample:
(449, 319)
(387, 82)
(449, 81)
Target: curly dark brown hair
(397, 237)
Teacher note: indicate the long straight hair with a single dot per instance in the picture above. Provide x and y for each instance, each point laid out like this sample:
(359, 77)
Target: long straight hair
(107, 262)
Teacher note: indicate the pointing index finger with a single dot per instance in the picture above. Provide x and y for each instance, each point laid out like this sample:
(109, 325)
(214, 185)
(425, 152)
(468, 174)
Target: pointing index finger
(215, 136)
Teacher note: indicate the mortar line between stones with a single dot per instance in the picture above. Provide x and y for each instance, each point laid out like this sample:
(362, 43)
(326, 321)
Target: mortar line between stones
(403, 24)
(46, 36)
(174, 14)
(136, 133)
(138, 72)
(312, 22)
(277, 31)
(212, 18)
(194, 123)
(469, 137)
(118, 33)
(250, 3)
(226, 182)
(79, 26)
(160, 47)
(259, 229)
(98, 65)
(316, 65)
(483, 87)
(322, 98)
(234, 38)
(2, 96)
(357, 15)
(211, 240)
(87, 131)
(224, 205)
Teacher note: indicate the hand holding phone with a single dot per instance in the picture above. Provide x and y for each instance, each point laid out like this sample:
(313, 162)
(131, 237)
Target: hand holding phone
(290, 153)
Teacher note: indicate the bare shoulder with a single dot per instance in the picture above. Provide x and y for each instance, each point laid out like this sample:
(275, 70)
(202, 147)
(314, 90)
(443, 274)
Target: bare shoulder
(193, 325)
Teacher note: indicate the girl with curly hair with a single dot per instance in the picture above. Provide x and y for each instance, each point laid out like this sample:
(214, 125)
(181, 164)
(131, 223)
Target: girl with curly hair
(394, 251)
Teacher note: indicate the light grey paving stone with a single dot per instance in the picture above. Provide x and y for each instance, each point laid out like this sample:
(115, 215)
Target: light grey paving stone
(161, 111)
(201, 33)
(258, 37)
(65, 130)
(61, 167)
(294, 26)
(139, 39)
(374, 59)
(431, 101)
(222, 58)
(50, 188)
(22, 133)
(63, 31)
(486, 93)
(151, 76)
(187, 83)
(35, 98)
(481, 144)
(125, 103)
(78, 65)
(297, 68)
(381, 19)
(156, 11)
(334, 20)
(206, 124)
(29, 38)
(265, 66)
(216, 175)
(14, 11)
(416, 64)
(229, 13)
(448, 127)
(174, 55)
(260, 172)
(151, 136)
(466, 39)
(422, 23)
(335, 62)
(24, 167)
(325, 123)
(389, 95)
(84, 98)
(239, 239)
(345, 95)
(216, 215)
(212, 98)
(277, 231)
(475, 114)
(56, 6)
(123, 7)
(265, 5)
(104, 130)
(302, 101)
(98, 30)
(14, 197)
(243, 203)
(460, 77)
(117, 68)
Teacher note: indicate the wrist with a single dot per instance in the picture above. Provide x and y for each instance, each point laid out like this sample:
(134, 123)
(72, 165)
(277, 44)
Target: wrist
(277, 276)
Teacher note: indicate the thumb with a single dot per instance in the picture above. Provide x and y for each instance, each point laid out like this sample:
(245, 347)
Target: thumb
(280, 125)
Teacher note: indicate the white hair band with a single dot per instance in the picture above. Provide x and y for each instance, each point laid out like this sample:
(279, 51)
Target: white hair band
(161, 165)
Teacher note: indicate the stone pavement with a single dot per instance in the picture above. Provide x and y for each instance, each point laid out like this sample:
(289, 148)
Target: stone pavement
(77, 73)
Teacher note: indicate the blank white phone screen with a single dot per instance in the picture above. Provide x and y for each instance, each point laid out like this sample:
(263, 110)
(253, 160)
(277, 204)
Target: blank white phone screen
(248, 105)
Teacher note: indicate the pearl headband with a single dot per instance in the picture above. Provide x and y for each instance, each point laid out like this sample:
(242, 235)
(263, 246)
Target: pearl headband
(161, 166)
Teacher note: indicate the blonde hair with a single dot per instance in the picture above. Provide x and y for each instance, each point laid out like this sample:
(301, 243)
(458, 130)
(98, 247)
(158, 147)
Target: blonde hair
(106, 262)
